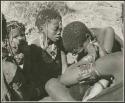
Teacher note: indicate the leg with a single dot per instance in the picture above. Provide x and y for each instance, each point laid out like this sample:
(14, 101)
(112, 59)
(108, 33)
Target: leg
(57, 91)
(108, 39)
(111, 64)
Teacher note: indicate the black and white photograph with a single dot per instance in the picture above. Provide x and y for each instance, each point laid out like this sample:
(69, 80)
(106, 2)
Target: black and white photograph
(62, 51)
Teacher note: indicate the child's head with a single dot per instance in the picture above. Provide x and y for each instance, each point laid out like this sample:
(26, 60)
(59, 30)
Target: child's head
(75, 37)
(16, 40)
(49, 22)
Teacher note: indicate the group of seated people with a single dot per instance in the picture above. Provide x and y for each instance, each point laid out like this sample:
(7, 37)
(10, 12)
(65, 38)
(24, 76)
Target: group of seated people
(59, 59)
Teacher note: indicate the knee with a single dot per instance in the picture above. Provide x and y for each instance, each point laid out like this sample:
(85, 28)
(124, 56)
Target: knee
(51, 84)
(109, 28)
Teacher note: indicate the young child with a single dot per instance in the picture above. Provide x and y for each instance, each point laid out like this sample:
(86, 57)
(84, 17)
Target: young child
(93, 45)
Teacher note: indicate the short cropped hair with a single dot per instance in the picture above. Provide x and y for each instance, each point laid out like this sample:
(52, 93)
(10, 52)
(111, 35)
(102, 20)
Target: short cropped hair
(74, 35)
(45, 16)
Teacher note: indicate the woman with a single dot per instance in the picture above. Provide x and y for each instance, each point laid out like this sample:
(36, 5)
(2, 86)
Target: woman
(94, 45)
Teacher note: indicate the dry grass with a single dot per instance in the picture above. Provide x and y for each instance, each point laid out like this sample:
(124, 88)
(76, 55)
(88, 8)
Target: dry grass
(92, 13)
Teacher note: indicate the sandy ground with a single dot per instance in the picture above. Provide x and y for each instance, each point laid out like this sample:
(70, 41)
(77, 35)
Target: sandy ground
(92, 13)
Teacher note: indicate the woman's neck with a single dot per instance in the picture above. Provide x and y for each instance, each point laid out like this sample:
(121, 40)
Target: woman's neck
(44, 41)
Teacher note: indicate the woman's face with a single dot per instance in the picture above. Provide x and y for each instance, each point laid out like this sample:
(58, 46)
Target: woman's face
(16, 38)
(53, 30)
(18, 43)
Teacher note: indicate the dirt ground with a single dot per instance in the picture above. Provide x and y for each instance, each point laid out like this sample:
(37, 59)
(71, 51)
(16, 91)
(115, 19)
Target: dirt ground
(92, 13)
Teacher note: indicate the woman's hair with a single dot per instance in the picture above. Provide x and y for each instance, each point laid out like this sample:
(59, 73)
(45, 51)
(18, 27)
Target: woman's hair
(4, 28)
(14, 25)
(74, 35)
(11, 26)
(45, 16)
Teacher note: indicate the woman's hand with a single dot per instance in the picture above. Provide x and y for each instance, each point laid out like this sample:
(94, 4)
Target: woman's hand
(92, 50)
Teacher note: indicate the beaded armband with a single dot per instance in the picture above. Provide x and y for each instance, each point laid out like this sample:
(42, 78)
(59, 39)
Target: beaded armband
(88, 74)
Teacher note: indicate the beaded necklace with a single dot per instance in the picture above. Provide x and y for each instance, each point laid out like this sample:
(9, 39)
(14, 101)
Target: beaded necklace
(51, 49)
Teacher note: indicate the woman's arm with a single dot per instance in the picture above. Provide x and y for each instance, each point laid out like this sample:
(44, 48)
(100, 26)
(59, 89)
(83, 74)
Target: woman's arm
(64, 61)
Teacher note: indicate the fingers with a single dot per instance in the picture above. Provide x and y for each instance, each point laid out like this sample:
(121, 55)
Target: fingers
(58, 37)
